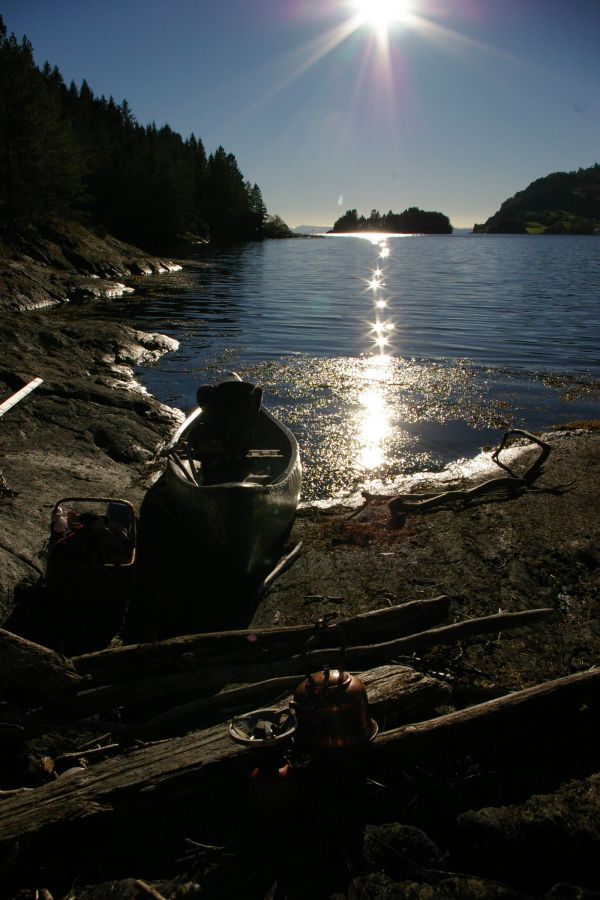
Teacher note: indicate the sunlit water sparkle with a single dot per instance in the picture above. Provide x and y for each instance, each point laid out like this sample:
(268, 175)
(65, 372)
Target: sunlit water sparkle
(387, 356)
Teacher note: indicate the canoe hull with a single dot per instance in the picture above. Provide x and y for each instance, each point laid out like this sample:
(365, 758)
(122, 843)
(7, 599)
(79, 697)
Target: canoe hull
(204, 549)
(236, 529)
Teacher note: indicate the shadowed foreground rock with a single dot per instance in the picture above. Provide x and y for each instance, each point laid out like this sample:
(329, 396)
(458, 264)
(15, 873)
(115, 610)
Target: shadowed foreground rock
(548, 839)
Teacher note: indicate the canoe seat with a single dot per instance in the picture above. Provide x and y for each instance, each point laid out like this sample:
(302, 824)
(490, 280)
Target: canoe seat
(225, 430)
(264, 454)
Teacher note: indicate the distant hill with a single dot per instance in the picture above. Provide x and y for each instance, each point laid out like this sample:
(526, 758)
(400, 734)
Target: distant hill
(311, 229)
(560, 203)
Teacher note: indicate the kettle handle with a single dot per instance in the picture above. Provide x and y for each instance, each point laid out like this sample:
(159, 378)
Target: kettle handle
(320, 626)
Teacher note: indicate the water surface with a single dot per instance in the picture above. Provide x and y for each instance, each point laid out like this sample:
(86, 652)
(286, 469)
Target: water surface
(388, 355)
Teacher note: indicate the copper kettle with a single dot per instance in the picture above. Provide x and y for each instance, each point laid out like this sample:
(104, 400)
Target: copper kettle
(332, 710)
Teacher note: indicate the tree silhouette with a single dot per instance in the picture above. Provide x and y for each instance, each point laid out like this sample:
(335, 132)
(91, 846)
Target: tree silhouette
(411, 221)
(41, 166)
(66, 152)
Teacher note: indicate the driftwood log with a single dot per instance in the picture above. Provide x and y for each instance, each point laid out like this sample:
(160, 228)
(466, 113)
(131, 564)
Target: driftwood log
(372, 654)
(181, 654)
(394, 690)
(209, 753)
(486, 723)
(182, 769)
(213, 678)
(190, 694)
(30, 669)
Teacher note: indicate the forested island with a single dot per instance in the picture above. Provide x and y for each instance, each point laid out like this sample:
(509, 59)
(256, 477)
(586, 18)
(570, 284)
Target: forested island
(559, 203)
(411, 221)
(68, 154)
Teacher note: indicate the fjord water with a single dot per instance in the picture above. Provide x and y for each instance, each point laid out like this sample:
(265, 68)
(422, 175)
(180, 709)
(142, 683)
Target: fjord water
(389, 354)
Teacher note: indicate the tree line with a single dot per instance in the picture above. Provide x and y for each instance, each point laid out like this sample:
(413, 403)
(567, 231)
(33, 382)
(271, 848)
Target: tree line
(411, 221)
(67, 153)
(558, 203)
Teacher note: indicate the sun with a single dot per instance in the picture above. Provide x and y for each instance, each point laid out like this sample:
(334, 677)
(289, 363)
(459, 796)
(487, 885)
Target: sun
(382, 14)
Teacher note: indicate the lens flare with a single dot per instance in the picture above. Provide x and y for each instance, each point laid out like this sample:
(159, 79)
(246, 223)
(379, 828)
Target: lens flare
(382, 14)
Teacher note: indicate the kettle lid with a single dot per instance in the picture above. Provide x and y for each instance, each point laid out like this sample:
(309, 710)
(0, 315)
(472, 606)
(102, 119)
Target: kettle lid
(320, 683)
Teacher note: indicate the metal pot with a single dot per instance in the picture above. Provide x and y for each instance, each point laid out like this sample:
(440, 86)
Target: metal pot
(332, 710)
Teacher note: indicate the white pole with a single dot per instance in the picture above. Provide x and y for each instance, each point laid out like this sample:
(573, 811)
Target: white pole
(18, 396)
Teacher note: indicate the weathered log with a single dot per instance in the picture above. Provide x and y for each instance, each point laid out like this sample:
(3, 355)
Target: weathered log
(373, 654)
(397, 690)
(390, 688)
(147, 780)
(488, 722)
(213, 678)
(181, 654)
(401, 692)
(31, 669)
(196, 683)
(131, 694)
(399, 686)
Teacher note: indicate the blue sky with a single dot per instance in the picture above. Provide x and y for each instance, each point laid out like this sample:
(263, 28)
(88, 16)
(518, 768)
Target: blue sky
(455, 107)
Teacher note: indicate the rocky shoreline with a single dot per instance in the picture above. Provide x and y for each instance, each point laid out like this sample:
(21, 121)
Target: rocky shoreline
(88, 429)
(67, 263)
(86, 432)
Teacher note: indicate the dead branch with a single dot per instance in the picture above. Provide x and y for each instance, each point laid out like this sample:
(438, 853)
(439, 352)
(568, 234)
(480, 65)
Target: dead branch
(400, 504)
(91, 751)
(284, 563)
(147, 889)
(14, 791)
(182, 655)
(373, 654)
(532, 471)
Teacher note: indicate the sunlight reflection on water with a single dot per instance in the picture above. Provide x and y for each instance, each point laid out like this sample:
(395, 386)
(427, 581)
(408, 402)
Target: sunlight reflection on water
(374, 427)
(360, 422)
(386, 365)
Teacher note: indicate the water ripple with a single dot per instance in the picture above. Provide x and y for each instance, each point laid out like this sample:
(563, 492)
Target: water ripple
(488, 332)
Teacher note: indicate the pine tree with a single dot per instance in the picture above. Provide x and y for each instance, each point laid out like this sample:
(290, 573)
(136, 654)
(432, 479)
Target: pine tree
(40, 164)
(64, 151)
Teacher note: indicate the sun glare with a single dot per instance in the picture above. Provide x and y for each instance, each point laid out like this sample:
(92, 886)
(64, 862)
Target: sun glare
(377, 22)
(382, 14)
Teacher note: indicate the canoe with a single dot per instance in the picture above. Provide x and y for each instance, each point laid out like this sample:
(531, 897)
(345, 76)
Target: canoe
(223, 508)
(238, 500)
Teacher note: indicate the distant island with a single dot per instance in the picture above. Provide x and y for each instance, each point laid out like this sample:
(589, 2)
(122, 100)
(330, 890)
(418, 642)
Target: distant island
(411, 221)
(560, 203)
(311, 229)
